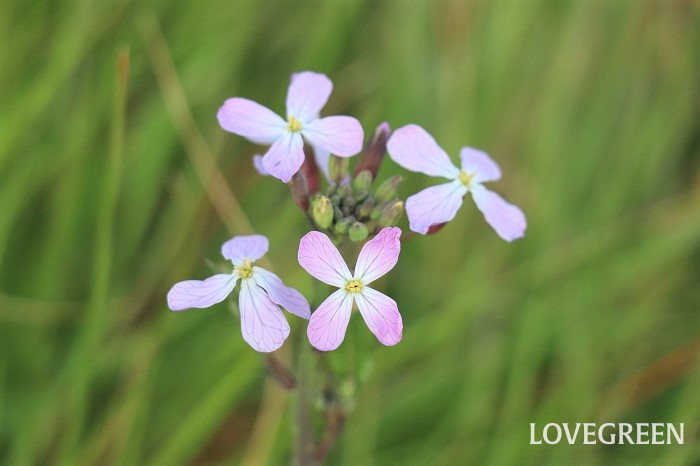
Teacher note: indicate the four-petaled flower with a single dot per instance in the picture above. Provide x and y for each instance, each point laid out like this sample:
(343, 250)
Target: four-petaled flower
(308, 93)
(414, 149)
(319, 257)
(263, 325)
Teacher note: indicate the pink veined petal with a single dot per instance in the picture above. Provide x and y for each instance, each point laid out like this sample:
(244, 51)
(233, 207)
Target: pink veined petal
(238, 248)
(251, 120)
(318, 256)
(414, 149)
(329, 322)
(434, 205)
(479, 164)
(381, 315)
(201, 293)
(279, 293)
(339, 135)
(262, 323)
(378, 255)
(507, 219)
(308, 93)
(285, 156)
(258, 165)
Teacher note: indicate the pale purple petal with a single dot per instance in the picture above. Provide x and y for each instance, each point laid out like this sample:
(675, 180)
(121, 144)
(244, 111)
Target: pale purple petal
(414, 149)
(322, 157)
(339, 135)
(279, 293)
(263, 325)
(308, 93)
(508, 220)
(252, 247)
(201, 293)
(381, 315)
(378, 255)
(329, 322)
(434, 205)
(251, 120)
(285, 156)
(258, 165)
(318, 256)
(479, 164)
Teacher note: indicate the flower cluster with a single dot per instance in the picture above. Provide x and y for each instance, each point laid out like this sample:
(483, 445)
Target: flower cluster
(301, 148)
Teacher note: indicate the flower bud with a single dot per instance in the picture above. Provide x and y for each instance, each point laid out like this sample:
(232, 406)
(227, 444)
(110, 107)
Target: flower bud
(343, 225)
(310, 169)
(300, 190)
(358, 231)
(374, 151)
(365, 209)
(338, 168)
(362, 181)
(390, 214)
(435, 227)
(337, 213)
(322, 211)
(388, 189)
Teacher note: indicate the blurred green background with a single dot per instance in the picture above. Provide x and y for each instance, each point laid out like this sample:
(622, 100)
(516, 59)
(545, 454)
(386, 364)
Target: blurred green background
(591, 108)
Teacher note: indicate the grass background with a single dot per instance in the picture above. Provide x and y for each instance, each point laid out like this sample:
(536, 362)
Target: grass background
(590, 107)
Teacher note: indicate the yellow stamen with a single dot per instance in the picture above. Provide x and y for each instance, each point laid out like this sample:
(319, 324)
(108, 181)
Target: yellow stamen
(245, 270)
(294, 125)
(466, 178)
(354, 286)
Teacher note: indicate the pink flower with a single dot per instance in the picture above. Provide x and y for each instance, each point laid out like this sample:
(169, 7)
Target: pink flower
(263, 325)
(308, 93)
(319, 257)
(416, 150)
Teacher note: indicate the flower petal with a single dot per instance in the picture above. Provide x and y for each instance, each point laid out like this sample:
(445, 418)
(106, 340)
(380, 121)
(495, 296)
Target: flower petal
(279, 293)
(381, 315)
(238, 248)
(378, 255)
(318, 256)
(322, 157)
(262, 323)
(507, 219)
(339, 135)
(434, 205)
(478, 163)
(251, 120)
(201, 293)
(258, 165)
(414, 149)
(285, 156)
(329, 322)
(308, 93)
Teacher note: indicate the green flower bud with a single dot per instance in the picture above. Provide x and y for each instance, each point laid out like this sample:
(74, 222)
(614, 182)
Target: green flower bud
(343, 225)
(343, 191)
(358, 231)
(365, 209)
(337, 213)
(322, 211)
(338, 168)
(390, 214)
(362, 181)
(388, 189)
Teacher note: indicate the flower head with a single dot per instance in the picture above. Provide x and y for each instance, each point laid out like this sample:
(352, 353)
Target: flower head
(263, 325)
(414, 149)
(308, 93)
(319, 257)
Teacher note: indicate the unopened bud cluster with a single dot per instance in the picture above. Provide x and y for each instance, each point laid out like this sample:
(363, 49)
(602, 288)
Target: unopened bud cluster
(353, 208)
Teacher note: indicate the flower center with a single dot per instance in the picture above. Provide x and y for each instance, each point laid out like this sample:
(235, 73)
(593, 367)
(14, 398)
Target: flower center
(354, 286)
(466, 178)
(245, 270)
(293, 125)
